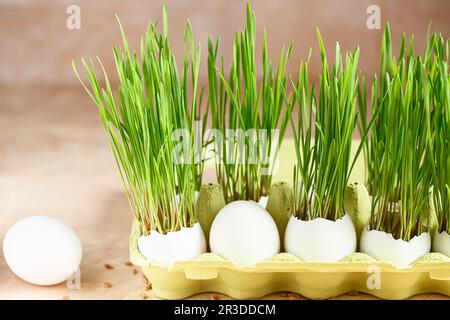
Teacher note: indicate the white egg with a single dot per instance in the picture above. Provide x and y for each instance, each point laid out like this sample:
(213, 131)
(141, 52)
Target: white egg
(42, 250)
(384, 247)
(441, 243)
(320, 240)
(244, 233)
(165, 249)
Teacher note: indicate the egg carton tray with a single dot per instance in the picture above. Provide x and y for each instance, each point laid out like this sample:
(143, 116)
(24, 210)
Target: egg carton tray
(285, 272)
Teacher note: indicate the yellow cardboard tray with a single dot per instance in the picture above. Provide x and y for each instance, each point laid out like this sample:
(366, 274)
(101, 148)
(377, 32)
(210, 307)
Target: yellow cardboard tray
(286, 273)
(311, 280)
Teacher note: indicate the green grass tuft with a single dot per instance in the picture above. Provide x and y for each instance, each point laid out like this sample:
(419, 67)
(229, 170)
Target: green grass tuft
(323, 162)
(438, 66)
(397, 152)
(151, 101)
(241, 103)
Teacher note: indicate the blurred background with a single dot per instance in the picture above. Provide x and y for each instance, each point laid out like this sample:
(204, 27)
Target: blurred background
(54, 157)
(37, 46)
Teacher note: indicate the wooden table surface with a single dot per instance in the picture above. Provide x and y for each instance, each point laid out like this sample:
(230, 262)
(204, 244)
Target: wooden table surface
(55, 161)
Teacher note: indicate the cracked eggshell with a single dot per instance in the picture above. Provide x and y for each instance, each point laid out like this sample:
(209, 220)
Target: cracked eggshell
(320, 240)
(263, 201)
(441, 243)
(42, 250)
(384, 247)
(165, 249)
(244, 233)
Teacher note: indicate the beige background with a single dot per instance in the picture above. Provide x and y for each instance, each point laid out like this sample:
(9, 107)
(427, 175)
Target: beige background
(54, 157)
(37, 48)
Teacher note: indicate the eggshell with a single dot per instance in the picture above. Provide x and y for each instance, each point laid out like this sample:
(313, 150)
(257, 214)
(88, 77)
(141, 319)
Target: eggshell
(263, 201)
(441, 243)
(383, 247)
(165, 249)
(42, 250)
(244, 233)
(320, 240)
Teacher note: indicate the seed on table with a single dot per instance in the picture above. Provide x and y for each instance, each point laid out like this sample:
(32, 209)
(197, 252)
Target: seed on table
(128, 263)
(135, 271)
(108, 266)
(148, 286)
(105, 284)
(144, 296)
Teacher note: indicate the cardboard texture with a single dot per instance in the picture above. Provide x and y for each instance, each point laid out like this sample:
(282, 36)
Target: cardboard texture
(359, 272)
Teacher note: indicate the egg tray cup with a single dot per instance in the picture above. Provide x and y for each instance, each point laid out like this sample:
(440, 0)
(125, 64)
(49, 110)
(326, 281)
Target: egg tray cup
(286, 273)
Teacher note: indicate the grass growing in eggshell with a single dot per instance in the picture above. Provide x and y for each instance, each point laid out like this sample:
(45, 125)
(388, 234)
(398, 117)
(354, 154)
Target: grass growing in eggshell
(151, 126)
(151, 102)
(397, 152)
(440, 145)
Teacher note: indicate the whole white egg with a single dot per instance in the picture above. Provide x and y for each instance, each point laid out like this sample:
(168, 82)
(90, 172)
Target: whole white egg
(42, 250)
(244, 233)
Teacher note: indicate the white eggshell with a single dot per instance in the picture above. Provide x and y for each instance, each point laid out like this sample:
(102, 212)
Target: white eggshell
(384, 247)
(263, 201)
(320, 240)
(42, 250)
(244, 233)
(165, 249)
(441, 243)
